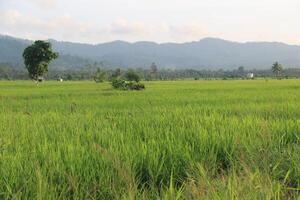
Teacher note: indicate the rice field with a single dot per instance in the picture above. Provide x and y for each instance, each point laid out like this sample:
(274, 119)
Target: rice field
(175, 140)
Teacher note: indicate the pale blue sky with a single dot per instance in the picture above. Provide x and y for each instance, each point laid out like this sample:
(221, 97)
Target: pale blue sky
(96, 21)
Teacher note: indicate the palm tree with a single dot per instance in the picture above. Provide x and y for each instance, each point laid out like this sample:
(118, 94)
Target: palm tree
(277, 69)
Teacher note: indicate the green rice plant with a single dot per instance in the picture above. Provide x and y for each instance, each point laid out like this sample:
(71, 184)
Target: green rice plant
(233, 139)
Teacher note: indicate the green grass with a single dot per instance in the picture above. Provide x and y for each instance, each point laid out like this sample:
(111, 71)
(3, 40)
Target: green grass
(175, 140)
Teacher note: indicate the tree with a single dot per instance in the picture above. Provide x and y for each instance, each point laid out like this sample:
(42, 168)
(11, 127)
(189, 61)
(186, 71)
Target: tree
(153, 70)
(117, 73)
(132, 76)
(100, 75)
(37, 58)
(92, 68)
(69, 77)
(241, 71)
(277, 69)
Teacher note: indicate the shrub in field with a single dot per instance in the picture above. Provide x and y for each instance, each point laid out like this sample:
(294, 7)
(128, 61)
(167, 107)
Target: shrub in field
(130, 81)
(135, 86)
(121, 84)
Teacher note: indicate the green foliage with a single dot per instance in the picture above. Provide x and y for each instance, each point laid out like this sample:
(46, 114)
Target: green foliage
(117, 73)
(131, 75)
(37, 58)
(20, 73)
(153, 71)
(277, 69)
(121, 84)
(100, 76)
(135, 86)
(132, 81)
(175, 140)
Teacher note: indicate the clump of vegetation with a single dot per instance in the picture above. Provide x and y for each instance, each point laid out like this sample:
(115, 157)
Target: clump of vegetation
(119, 83)
(37, 58)
(132, 76)
(135, 86)
(99, 76)
(129, 81)
(277, 69)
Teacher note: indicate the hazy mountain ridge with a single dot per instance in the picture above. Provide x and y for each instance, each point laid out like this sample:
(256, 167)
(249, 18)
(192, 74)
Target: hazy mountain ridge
(206, 53)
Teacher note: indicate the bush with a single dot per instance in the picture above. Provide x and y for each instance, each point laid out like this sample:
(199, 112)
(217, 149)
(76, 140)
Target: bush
(135, 86)
(118, 83)
(123, 85)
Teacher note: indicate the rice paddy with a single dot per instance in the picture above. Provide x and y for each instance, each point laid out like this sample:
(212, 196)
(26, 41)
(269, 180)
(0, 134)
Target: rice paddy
(175, 140)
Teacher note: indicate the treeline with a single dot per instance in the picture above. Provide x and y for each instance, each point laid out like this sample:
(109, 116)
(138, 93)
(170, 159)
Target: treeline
(8, 72)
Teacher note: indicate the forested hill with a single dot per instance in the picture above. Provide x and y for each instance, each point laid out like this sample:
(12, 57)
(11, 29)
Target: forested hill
(209, 53)
(11, 50)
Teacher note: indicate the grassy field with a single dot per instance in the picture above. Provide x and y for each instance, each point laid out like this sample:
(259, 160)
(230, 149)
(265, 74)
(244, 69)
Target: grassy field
(175, 140)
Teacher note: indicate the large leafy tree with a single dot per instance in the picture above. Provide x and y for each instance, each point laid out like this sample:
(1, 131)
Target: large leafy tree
(277, 69)
(37, 58)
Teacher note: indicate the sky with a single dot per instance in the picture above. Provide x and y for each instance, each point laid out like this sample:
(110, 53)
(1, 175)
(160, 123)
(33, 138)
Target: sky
(98, 21)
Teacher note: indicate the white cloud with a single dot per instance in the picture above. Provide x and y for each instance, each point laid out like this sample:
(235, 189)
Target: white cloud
(159, 20)
(15, 23)
(164, 31)
(43, 3)
(122, 26)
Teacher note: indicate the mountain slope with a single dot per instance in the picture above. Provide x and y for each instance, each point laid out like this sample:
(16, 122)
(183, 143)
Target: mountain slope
(206, 53)
(11, 50)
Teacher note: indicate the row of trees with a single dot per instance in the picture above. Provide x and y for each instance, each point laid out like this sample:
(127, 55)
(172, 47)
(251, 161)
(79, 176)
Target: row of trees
(174, 74)
(8, 72)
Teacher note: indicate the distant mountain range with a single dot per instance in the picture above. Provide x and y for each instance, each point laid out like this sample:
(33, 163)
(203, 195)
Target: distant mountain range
(208, 53)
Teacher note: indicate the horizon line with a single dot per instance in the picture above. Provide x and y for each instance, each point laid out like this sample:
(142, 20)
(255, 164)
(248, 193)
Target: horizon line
(148, 41)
